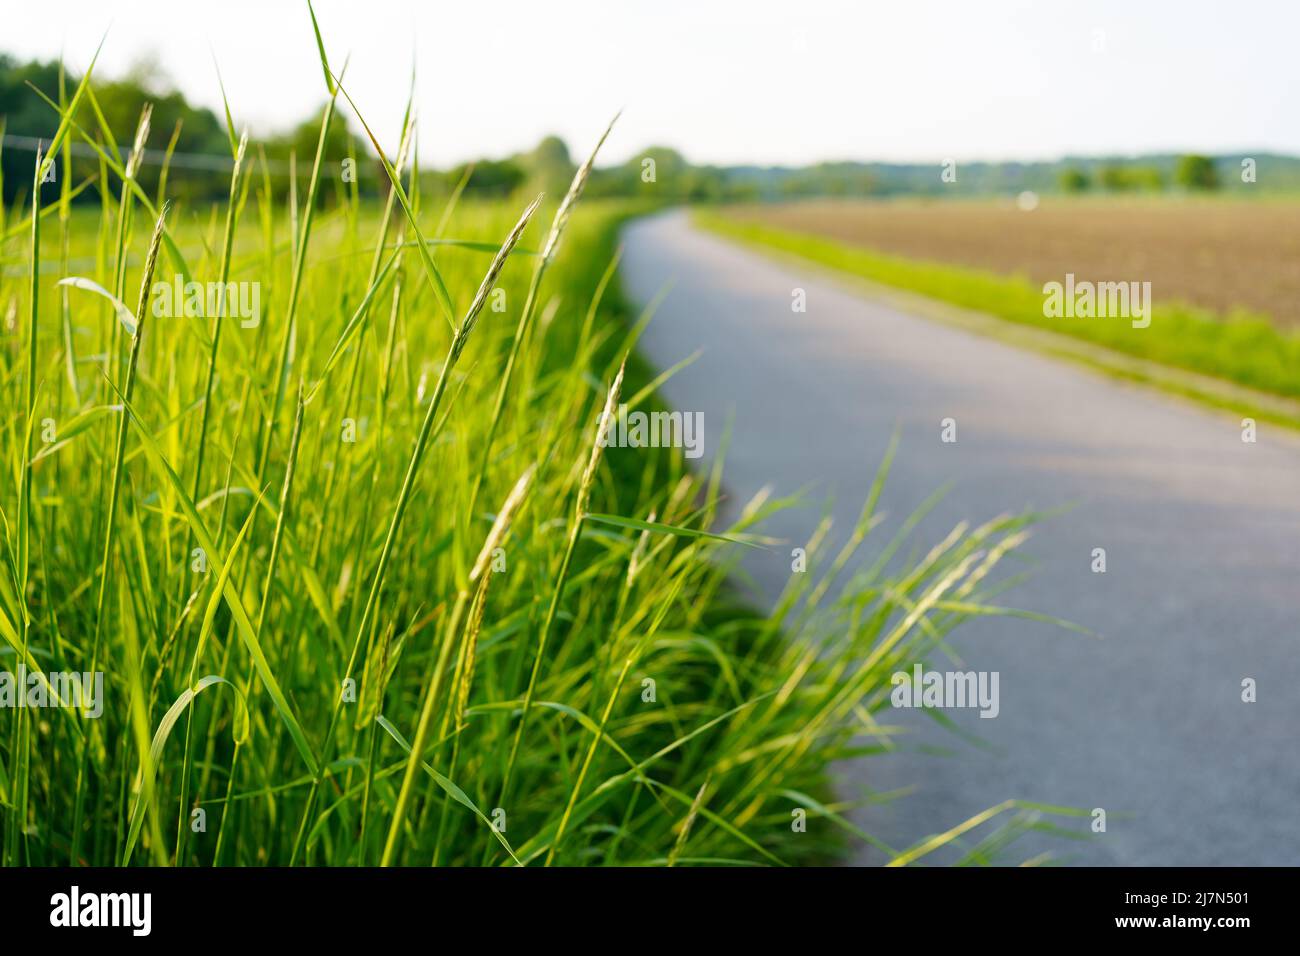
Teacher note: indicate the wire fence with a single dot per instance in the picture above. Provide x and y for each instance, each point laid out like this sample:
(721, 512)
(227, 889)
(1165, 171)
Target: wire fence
(206, 162)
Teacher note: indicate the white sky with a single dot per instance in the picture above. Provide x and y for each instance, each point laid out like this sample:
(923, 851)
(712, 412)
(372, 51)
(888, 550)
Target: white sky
(730, 82)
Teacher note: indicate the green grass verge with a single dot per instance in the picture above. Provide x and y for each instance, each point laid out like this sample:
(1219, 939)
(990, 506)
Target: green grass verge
(362, 582)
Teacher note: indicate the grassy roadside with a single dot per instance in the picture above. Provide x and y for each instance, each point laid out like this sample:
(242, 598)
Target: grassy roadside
(1245, 365)
(359, 595)
(351, 575)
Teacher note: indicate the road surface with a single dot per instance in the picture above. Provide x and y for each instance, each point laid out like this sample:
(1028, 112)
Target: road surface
(1201, 532)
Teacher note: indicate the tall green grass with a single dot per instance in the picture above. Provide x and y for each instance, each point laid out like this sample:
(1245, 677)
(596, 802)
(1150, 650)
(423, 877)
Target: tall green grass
(362, 583)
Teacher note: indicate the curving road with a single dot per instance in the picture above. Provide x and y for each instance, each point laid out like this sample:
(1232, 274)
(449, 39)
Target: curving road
(1201, 530)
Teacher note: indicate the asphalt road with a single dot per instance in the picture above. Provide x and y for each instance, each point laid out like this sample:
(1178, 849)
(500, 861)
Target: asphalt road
(1201, 530)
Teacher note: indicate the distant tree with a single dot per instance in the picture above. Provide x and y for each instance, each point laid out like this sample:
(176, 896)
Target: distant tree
(491, 177)
(1074, 180)
(1148, 178)
(703, 184)
(302, 142)
(659, 172)
(551, 151)
(743, 192)
(25, 115)
(120, 102)
(200, 166)
(1114, 178)
(1196, 172)
(548, 167)
(1125, 178)
(840, 179)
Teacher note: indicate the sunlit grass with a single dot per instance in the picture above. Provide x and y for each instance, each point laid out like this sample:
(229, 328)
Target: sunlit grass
(363, 586)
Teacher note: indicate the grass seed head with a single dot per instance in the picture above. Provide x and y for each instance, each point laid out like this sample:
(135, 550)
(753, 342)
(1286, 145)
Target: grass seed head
(490, 279)
(589, 473)
(137, 147)
(466, 676)
(239, 153)
(502, 523)
(575, 192)
(151, 261)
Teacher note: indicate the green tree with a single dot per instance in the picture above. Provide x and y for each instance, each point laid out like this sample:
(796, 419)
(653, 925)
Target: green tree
(1074, 181)
(1196, 172)
(1146, 178)
(1124, 178)
(490, 177)
(548, 167)
(340, 145)
(1114, 179)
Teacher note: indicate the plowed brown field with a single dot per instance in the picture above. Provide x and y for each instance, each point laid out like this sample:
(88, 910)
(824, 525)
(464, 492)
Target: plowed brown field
(1218, 254)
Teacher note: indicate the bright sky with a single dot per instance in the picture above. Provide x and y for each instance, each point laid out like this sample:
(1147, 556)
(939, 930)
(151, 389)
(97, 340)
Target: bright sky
(730, 82)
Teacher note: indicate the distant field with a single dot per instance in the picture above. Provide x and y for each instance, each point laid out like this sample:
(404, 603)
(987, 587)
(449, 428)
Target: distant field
(1221, 255)
(1225, 275)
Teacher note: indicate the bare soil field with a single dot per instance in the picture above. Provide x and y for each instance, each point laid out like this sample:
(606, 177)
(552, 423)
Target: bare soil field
(1217, 254)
